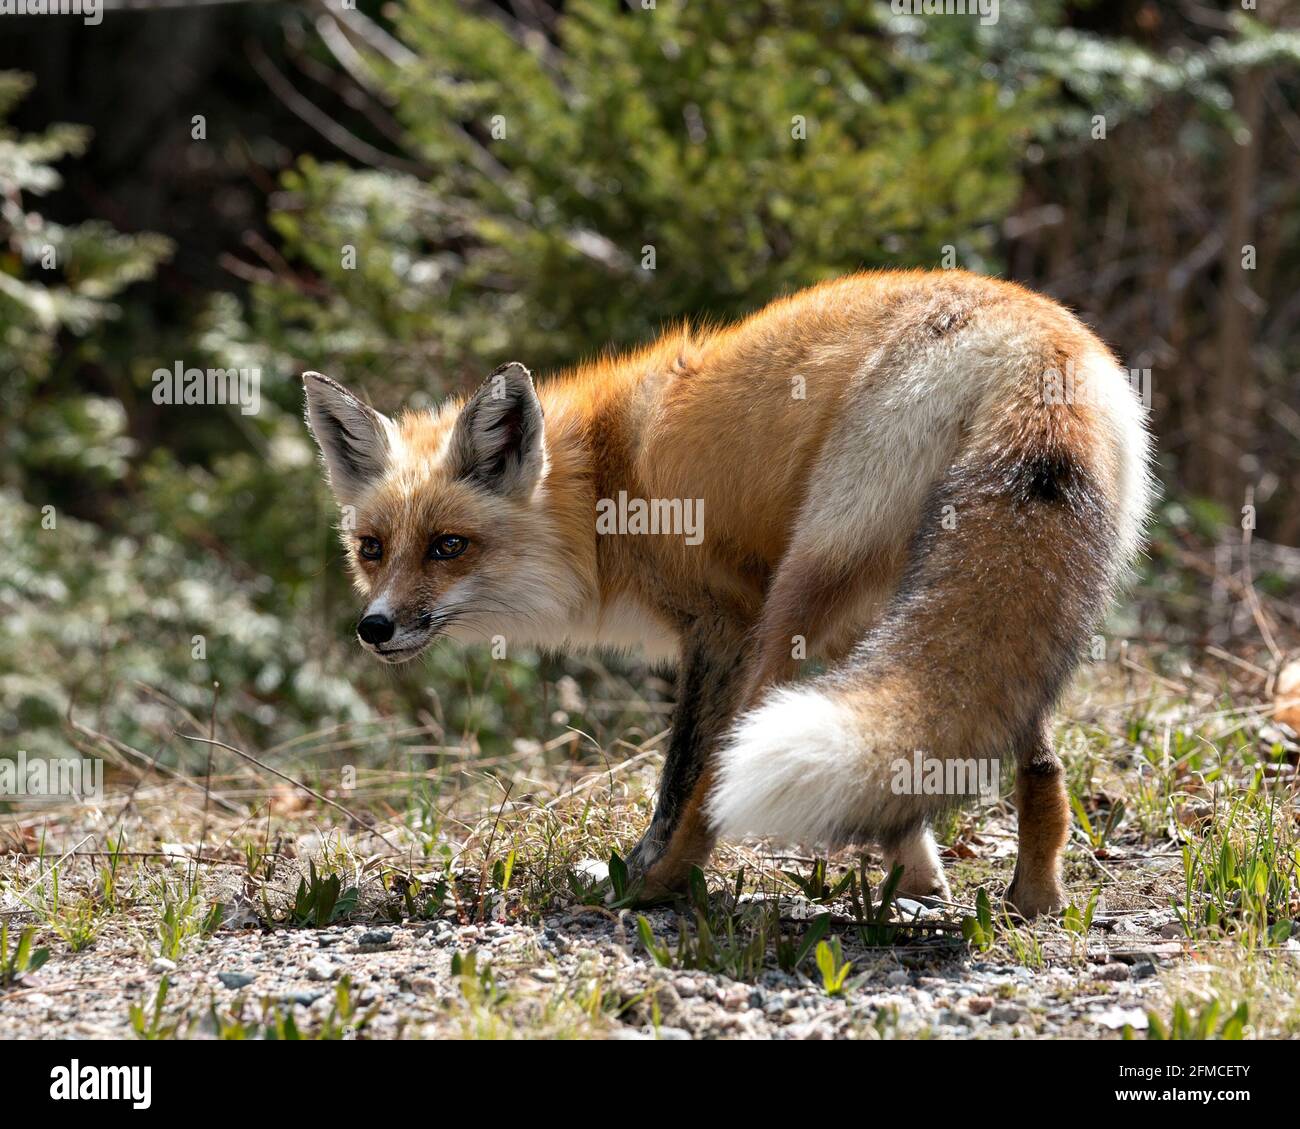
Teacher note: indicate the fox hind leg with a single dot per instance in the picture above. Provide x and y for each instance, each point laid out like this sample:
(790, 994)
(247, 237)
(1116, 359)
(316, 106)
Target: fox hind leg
(812, 596)
(1043, 814)
(917, 854)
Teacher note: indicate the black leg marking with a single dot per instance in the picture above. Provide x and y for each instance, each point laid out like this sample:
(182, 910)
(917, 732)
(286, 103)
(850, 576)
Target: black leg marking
(709, 685)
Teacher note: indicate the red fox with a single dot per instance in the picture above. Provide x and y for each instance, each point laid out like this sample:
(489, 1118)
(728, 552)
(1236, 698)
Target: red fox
(929, 482)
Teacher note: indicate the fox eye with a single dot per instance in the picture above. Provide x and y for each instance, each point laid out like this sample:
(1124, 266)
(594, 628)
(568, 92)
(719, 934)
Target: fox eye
(371, 548)
(447, 546)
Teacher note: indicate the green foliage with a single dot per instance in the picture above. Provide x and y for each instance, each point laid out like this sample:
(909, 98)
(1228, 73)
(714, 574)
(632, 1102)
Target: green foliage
(661, 954)
(152, 1023)
(753, 153)
(623, 890)
(140, 584)
(815, 887)
(413, 899)
(1099, 834)
(1243, 878)
(833, 967)
(978, 930)
(1077, 920)
(52, 277)
(77, 922)
(875, 918)
(181, 916)
(1200, 1025)
(96, 615)
(15, 963)
(791, 952)
(343, 1021)
(322, 899)
(1128, 79)
(278, 1024)
(478, 983)
(723, 935)
(502, 871)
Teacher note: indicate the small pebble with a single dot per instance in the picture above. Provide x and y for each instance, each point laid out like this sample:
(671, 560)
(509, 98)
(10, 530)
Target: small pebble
(235, 980)
(321, 969)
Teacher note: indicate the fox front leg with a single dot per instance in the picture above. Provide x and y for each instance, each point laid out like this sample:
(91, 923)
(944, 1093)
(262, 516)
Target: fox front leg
(711, 680)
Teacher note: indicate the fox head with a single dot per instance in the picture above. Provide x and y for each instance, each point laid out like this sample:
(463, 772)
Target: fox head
(444, 519)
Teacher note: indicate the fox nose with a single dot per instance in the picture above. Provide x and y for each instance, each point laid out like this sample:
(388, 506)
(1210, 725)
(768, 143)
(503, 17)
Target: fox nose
(375, 629)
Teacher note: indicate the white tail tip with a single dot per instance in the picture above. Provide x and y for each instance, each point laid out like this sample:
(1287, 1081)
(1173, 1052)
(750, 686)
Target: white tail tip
(787, 768)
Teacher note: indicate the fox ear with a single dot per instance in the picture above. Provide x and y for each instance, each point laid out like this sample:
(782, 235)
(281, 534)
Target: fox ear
(354, 439)
(497, 442)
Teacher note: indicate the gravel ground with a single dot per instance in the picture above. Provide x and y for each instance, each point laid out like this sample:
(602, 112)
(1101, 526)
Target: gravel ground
(544, 976)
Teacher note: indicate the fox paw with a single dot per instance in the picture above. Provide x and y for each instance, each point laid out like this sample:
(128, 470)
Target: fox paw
(650, 880)
(1024, 900)
(922, 871)
(924, 885)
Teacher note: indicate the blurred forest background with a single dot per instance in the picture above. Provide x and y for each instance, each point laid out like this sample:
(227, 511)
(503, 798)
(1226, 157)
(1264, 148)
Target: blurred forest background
(407, 194)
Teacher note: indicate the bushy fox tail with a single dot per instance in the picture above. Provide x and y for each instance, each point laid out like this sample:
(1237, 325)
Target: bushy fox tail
(1016, 556)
